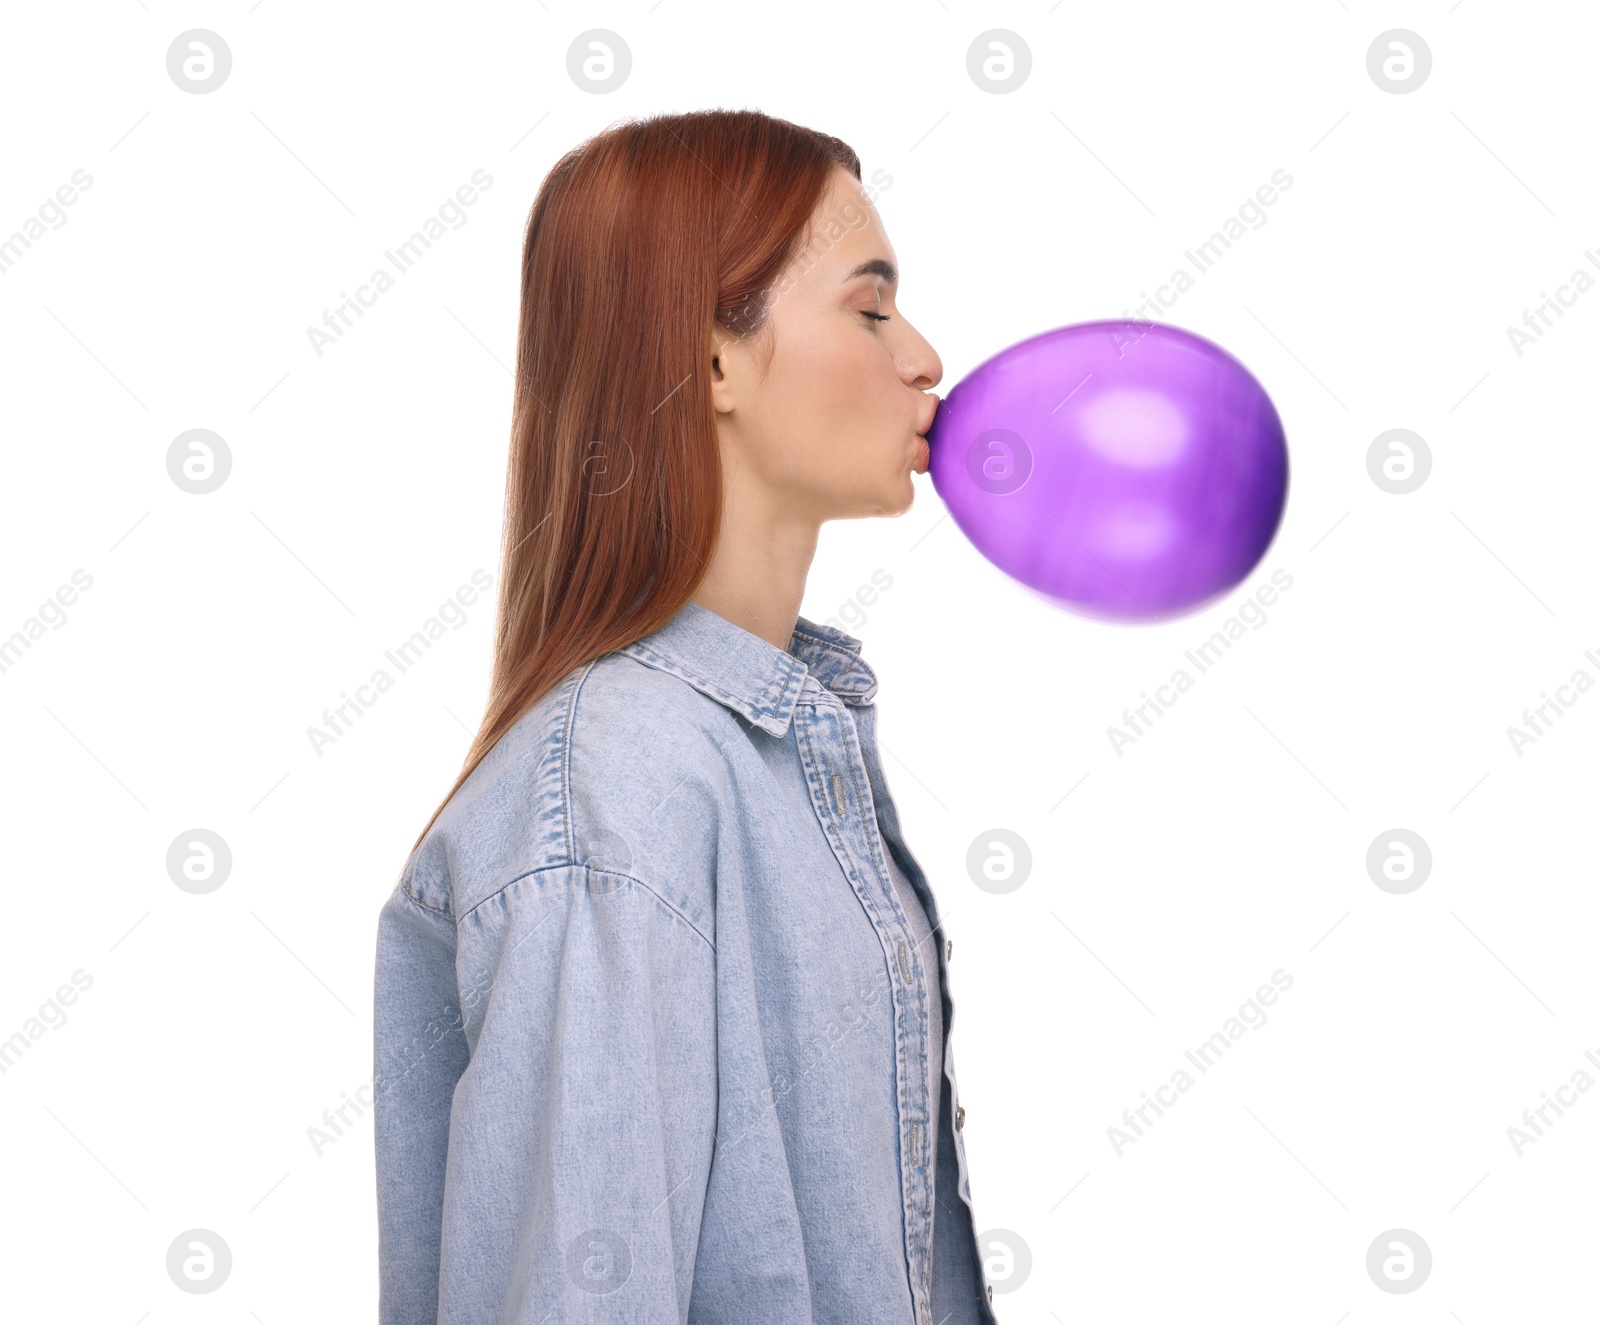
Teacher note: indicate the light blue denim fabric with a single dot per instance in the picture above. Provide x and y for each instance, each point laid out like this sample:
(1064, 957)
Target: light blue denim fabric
(651, 1032)
(922, 933)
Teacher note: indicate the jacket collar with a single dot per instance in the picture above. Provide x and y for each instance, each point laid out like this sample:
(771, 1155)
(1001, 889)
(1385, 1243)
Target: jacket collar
(744, 672)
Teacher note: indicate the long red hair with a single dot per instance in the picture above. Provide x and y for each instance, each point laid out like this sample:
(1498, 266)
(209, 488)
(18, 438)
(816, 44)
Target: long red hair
(641, 240)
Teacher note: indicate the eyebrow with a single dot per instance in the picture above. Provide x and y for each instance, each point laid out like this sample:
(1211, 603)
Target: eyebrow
(875, 267)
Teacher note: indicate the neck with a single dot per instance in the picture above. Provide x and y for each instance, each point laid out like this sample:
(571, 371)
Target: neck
(757, 574)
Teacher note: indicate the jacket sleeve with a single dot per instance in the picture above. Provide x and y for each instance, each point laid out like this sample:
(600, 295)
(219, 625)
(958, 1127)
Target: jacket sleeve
(419, 1053)
(546, 1104)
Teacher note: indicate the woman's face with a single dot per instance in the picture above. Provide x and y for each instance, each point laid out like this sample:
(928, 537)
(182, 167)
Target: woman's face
(827, 427)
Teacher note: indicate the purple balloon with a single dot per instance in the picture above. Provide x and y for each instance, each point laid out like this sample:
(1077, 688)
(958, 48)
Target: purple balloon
(1129, 471)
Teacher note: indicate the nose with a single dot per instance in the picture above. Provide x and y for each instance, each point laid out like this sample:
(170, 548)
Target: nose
(927, 371)
(921, 367)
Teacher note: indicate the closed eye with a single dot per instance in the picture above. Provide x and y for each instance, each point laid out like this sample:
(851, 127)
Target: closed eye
(876, 317)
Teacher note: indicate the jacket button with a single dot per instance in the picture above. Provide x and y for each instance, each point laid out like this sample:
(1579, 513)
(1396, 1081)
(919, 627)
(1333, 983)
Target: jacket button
(949, 947)
(961, 1115)
(989, 1289)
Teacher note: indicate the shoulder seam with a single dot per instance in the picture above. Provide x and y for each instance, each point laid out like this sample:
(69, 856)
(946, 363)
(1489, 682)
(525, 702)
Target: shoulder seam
(567, 845)
(417, 901)
(591, 869)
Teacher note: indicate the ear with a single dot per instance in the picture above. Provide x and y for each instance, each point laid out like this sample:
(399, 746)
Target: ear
(721, 354)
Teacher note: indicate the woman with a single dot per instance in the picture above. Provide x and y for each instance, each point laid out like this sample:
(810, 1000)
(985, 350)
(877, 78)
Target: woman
(660, 1026)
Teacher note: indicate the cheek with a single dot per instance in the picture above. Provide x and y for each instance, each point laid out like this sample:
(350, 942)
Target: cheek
(813, 396)
(832, 356)
(834, 401)
(852, 381)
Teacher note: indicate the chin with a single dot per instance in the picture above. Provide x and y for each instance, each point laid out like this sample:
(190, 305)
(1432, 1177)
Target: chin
(906, 496)
(891, 496)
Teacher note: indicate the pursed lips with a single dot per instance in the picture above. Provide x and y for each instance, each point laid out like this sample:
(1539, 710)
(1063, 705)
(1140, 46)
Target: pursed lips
(920, 464)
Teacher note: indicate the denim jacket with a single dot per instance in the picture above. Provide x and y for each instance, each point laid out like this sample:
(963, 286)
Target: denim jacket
(651, 1025)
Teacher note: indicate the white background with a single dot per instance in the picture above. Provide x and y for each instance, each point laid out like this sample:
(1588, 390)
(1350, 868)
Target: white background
(1229, 842)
